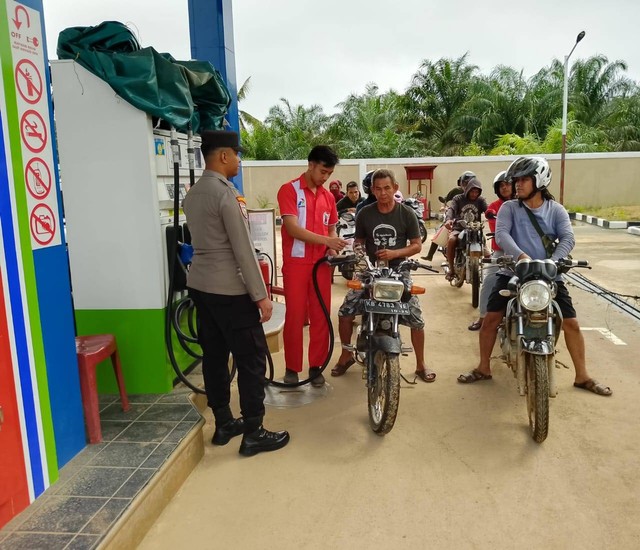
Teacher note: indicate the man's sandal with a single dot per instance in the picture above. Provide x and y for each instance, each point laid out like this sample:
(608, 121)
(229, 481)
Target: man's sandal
(339, 369)
(594, 386)
(476, 325)
(474, 376)
(426, 375)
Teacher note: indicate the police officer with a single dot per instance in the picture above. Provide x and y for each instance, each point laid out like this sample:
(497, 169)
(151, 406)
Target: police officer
(226, 285)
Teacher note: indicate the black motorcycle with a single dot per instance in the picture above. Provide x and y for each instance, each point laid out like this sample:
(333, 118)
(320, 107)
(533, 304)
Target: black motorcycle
(378, 344)
(418, 209)
(468, 256)
(530, 330)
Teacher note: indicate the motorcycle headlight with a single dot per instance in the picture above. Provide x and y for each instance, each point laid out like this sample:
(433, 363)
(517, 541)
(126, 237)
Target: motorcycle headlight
(388, 290)
(535, 295)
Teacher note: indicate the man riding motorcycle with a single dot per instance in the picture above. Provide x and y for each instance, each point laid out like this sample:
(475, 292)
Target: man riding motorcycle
(518, 237)
(468, 203)
(384, 228)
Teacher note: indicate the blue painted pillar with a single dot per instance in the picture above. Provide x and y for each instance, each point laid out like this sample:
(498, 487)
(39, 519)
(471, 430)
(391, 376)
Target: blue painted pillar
(211, 32)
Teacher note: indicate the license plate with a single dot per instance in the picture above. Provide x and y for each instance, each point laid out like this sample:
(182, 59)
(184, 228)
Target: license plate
(391, 308)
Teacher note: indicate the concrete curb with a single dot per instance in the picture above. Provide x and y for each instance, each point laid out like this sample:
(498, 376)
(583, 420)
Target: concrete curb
(606, 224)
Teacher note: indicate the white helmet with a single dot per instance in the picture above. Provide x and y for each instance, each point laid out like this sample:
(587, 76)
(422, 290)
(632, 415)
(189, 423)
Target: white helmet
(535, 167)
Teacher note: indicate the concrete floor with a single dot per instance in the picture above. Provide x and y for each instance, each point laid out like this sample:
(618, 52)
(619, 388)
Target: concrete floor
(459, 469)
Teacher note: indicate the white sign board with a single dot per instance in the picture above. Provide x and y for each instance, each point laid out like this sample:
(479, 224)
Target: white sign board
(262, 224)
(29, 70)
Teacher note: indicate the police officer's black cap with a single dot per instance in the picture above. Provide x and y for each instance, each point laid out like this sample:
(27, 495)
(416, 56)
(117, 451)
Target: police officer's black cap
(214, 139)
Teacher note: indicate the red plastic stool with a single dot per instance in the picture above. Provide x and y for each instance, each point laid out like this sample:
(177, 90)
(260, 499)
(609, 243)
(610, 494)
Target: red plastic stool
(91, 350)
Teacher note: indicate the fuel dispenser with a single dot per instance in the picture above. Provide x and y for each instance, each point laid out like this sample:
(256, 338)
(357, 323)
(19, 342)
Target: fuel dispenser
(118, 190)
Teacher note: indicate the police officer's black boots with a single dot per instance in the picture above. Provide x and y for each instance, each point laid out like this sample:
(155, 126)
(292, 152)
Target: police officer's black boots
(226, 426)
(257, 439)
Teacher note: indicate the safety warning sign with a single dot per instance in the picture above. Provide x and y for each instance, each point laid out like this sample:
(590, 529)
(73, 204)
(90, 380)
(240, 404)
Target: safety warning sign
(30, 79)
(43, 224)
(33, 130)
(38, 177)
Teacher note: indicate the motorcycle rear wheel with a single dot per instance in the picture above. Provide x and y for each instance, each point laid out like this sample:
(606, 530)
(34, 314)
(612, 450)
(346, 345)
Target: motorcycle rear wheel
(384, 393)
(537, 378)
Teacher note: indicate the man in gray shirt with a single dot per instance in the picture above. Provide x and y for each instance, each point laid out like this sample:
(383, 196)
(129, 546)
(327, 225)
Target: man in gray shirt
(517, 236)
(226, 285)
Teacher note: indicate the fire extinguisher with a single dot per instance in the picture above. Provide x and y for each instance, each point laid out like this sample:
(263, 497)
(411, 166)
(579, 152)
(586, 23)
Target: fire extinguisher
(266, 274)
(425, 208)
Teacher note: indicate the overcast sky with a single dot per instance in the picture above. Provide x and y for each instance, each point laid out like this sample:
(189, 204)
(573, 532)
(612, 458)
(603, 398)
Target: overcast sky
(318, 52)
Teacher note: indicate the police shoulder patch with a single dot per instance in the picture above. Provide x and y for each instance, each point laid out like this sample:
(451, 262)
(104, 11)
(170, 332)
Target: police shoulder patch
(242, 204)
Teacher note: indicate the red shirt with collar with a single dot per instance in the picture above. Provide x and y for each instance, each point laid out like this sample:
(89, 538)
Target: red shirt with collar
(315, 212)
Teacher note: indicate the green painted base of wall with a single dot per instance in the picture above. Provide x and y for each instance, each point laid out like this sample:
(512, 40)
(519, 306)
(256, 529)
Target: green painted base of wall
(141, 344)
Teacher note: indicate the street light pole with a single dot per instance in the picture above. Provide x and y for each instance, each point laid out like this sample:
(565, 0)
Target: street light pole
(565, 100)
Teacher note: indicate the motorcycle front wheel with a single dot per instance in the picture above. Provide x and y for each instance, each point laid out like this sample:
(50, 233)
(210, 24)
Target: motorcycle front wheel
(537, 378)
(384, 392)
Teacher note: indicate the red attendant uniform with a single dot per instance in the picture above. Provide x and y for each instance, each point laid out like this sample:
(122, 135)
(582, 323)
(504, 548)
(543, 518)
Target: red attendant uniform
(493, 208)
(316, 212)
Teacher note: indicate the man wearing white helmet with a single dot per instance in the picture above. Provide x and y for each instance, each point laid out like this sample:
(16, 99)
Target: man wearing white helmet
(517, 236)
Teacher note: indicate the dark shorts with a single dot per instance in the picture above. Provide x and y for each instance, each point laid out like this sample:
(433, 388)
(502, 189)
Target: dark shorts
(499, 303)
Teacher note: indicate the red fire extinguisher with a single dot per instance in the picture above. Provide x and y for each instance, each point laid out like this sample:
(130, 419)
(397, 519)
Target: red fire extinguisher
(425, 209)
(266, 275)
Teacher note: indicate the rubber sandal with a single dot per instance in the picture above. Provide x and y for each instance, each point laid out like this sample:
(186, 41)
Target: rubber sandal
(474, 376)
(476, 325)
(339, 369)
(425, 375)
(595, 387)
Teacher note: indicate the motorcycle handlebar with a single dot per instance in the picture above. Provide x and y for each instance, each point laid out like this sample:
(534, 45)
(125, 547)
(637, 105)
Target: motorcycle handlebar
(340, 260)
(563, 262)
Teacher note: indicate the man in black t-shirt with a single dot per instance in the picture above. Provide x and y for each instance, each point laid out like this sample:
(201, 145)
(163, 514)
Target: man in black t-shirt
(389, 231)
(350, 200)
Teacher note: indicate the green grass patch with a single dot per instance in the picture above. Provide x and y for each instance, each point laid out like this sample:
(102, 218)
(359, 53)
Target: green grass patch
(611, 213)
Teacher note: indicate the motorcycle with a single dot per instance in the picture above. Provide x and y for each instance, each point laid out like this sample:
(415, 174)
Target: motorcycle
(468, 254)
(378, 343)
(530, 330)
(418, 209)
(346, 229)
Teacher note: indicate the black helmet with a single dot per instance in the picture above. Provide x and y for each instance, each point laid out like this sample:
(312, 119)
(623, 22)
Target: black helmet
(500, 177)
(535, 167)
(366, 182)
(465, 177)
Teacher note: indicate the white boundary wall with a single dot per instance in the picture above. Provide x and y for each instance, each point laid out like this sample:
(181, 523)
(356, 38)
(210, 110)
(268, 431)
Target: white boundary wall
(593, 179)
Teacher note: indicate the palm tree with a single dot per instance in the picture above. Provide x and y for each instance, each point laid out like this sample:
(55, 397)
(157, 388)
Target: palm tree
(296, 129)
(246, 119)
(623, 125)
(500, 106)
(369, 126)
(436, 99)
(594, 83)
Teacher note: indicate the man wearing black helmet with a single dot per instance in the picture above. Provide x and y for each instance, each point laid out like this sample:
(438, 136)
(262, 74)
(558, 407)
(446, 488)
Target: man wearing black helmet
(518, 237)
(458, 190)
(366, 187)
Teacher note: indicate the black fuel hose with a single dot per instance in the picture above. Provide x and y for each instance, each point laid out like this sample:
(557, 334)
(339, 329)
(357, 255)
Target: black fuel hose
(331, 260)
(172, 250)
